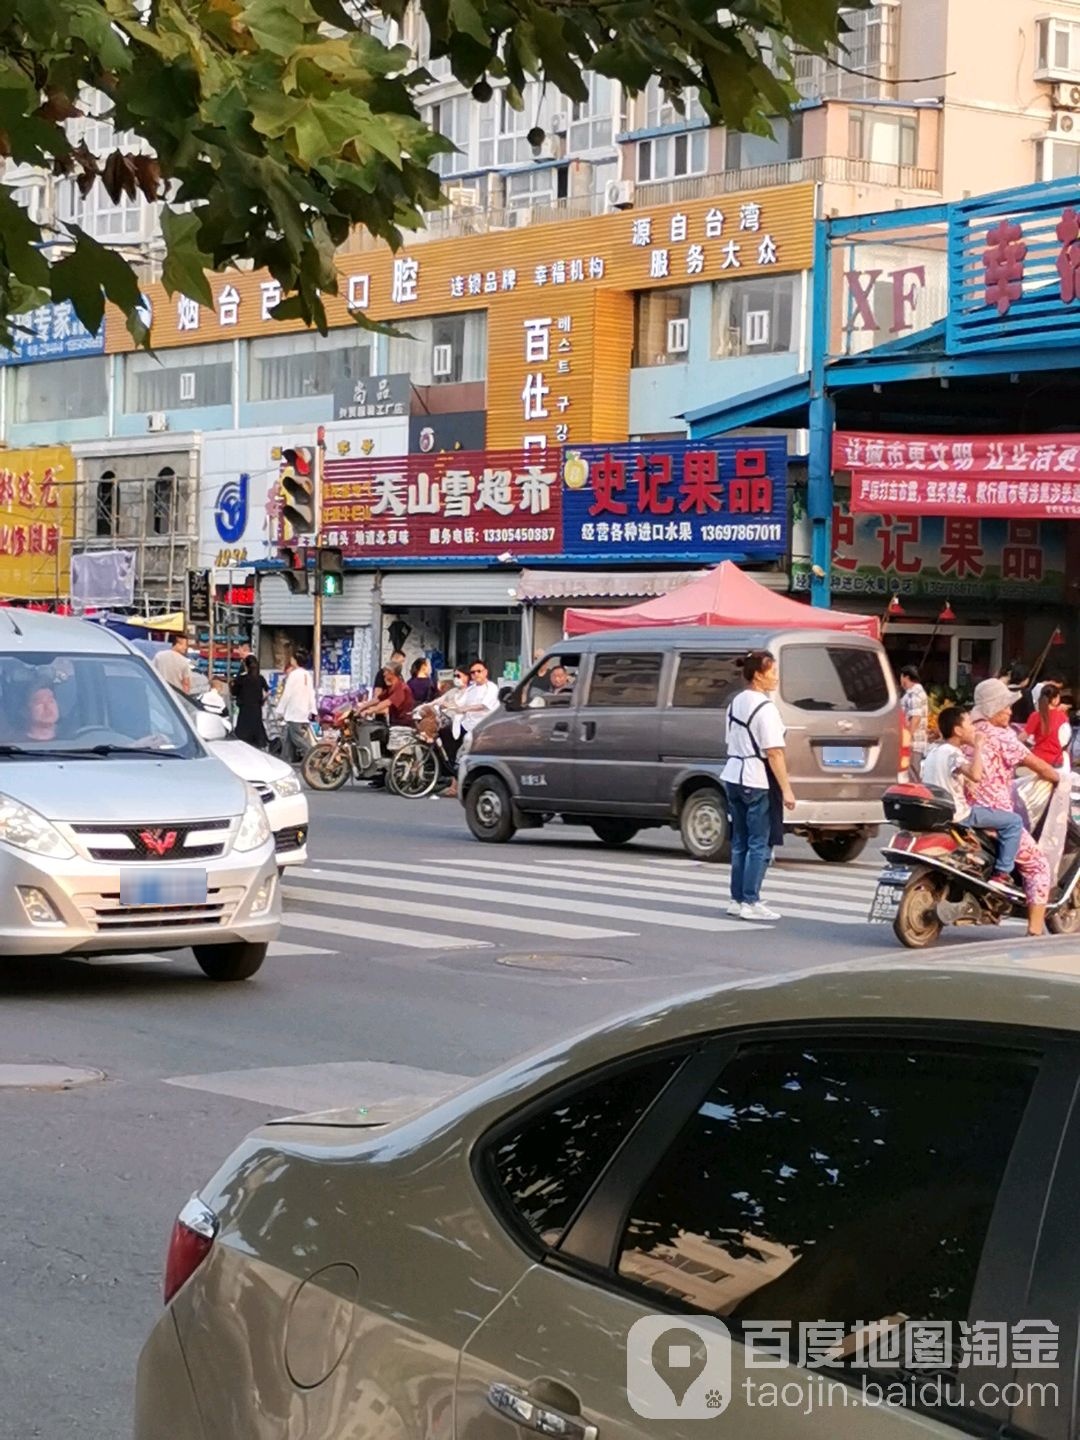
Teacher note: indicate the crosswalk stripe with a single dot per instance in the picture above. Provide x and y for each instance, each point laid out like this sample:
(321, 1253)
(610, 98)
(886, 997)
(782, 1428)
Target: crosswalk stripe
(523, 899)
(384, 934)
(556, 929)
(712, 886)
(694, 873)
(662, 915)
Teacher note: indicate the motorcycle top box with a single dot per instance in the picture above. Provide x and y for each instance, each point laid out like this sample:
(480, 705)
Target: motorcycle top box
(918, 807)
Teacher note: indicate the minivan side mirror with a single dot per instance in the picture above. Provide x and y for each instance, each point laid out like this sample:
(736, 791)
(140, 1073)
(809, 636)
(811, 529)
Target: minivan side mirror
(210, 727)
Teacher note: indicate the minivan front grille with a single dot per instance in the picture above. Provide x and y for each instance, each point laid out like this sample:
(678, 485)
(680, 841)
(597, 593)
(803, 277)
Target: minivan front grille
(204, 840)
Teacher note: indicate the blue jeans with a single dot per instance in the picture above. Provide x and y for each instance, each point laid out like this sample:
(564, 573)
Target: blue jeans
(750, 849)
(1009, 827)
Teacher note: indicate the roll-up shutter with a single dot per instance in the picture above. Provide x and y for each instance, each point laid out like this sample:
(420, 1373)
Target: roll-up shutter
(278, 606)
(475, 589)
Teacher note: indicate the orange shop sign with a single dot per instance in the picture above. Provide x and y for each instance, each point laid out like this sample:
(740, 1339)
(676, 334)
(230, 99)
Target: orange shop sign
(37, 502)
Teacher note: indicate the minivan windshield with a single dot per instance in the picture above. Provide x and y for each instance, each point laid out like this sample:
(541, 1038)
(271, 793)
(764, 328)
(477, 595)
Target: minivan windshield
(87, 706)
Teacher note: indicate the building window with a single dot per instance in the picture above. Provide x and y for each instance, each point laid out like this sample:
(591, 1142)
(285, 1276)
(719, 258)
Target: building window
(503, 130)
(62, 390)
(294, 367)
(869, 57)
(881, 138)
(127, 220)
(161, 512)
(197, 375)
(668, 157)
(661, 327)
(1056, 159)
(591, 122)
(652, 110)
(105, 505)
(455, 346)
(1058, 48)
(539, 186)
(754, 317)
(453, 118)
(747, 152)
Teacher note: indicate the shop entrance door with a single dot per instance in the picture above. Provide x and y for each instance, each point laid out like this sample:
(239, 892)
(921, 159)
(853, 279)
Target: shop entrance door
(953, 656)
(495, 639)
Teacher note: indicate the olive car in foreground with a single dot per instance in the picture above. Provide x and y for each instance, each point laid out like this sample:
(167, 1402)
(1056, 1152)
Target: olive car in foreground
(869, 1146)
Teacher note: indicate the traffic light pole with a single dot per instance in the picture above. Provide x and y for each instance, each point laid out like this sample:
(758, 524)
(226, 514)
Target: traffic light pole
(317, 607)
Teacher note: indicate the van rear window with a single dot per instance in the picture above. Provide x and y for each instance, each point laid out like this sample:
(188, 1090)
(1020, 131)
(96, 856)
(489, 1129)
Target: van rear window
(624, 678)
(706, 682)
(832, 677)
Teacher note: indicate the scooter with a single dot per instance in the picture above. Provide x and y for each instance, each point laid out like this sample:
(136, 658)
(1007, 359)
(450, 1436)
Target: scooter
(356, 750)
(938, 873)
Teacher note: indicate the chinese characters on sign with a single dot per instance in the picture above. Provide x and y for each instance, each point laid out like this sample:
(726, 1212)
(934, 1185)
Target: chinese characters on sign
(36, 504)
(1016, 476)
(677, 498)
(52, 332)
(540, 399)
(443, 506)
(739, 239)
(374, 397)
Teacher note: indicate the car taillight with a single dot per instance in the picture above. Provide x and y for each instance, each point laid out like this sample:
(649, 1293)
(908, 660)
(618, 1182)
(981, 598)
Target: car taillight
(192, 1237)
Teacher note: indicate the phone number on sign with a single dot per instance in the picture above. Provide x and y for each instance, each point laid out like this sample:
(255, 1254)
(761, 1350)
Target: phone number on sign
(532, 532)
(741, 532)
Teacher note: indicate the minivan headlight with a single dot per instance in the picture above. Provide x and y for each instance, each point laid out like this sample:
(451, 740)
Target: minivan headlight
(286, 787)
(25, 829)
(254, 827)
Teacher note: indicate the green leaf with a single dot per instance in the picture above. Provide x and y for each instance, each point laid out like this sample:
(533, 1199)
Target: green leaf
(186, 264)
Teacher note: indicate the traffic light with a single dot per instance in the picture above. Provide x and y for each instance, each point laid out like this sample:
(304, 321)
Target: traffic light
(298, 481)
(296, 575)
(329, 573)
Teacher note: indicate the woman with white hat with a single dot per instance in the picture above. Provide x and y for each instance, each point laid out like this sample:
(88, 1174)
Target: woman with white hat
(1002, 752)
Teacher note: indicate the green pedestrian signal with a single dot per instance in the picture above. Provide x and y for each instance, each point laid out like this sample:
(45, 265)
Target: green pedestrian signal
(331, 586)
(330, 572)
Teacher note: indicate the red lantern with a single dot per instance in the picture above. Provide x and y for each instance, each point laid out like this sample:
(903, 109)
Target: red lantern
(948, 615)
(895, 608)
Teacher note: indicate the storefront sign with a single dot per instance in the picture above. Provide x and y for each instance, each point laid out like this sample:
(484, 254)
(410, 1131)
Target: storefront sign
(37, 504)
(375, 397)
(460, 430)
(1017, 476)
(51, 332)
(199, 591)
(945, 557)
(444, 507)
(676, 500)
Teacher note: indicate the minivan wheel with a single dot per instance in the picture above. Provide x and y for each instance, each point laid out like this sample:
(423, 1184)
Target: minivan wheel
(703, 824)
(488, 810)
(615, 832)
(836, 849)
(230, 962)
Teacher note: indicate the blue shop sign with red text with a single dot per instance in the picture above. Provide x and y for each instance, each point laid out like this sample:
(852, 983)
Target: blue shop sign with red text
(676, 500)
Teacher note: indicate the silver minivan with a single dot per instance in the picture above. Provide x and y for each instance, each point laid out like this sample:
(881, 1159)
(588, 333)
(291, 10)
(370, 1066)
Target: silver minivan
(118, 830)
(624, 730)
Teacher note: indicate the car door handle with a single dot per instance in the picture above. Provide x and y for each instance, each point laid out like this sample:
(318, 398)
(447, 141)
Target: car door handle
(561, 730)
(531, 1415)
(588, 730)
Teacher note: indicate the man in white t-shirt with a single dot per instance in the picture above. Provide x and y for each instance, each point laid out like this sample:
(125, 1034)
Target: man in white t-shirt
(173, 665)
(481, 697)
(295, 709)
(755, 746)
(948, 766)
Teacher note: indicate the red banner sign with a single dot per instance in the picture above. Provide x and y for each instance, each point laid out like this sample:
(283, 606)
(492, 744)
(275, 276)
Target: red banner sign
(1015, 476)
(444, 506)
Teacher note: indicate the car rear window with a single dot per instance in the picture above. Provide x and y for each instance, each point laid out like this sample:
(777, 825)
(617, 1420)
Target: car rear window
(833, 677)
(625, 678)
(706, 682)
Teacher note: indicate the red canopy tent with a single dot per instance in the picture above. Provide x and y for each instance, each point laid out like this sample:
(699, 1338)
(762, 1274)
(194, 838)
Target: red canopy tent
(724, 596)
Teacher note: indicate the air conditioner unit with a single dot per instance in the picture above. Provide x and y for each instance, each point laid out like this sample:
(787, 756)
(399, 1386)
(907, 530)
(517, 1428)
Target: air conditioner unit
(187, 384)
(463, 197)
(1064, 124)
(518, 216)
(156, 421)
(442, 361)
(560, 123)
(1065, 97)
(618, 195)
(678, 336)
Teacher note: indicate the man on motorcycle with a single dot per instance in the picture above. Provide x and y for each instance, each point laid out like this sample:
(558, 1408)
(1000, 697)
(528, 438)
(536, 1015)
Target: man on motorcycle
(1002, 752)
(947, 767)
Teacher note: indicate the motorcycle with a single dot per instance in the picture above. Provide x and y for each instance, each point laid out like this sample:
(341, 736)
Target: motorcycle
(938, 873)
(356, 750)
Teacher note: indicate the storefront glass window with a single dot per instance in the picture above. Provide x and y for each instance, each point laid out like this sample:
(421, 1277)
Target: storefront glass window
(662, 327)
(62, 390)
(291, 367)
(754, 316)
(447, 350)
(197, 375)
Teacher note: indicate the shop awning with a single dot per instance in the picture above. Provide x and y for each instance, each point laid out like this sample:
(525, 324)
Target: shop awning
(601, 584)
(170, 624)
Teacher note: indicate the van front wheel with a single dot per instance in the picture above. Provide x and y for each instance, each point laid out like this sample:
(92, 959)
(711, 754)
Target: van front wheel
(488, 810)
(703, 824)
(843, 846)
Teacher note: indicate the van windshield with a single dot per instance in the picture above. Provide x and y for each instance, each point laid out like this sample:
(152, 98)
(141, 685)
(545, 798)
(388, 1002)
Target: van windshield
(833, 677)
(87, 706)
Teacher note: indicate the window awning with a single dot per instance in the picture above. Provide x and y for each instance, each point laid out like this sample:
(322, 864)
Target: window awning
(540, 585)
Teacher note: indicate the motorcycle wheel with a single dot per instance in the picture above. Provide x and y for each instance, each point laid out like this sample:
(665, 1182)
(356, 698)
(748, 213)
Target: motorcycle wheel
(1065, 921)
(917, 925)
(414, 772)
(325, 767)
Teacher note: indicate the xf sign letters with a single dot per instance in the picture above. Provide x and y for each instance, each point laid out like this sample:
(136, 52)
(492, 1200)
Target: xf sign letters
(907, 286)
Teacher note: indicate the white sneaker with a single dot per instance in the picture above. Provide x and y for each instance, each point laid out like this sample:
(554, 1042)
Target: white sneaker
(759, 912)
(734, 909)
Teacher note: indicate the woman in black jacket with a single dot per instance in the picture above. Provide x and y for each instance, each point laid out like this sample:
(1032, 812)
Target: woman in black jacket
(249, 690)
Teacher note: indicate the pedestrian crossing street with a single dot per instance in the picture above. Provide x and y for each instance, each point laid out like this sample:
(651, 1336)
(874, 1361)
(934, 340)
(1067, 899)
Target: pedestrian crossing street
(462, 903)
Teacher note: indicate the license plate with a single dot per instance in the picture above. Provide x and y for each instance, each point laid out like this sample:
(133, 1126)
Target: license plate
(843, 757)
(178, 887)
(886, 903)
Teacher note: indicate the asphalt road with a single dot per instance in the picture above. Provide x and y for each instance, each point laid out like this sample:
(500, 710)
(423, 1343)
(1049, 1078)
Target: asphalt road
(411, 956)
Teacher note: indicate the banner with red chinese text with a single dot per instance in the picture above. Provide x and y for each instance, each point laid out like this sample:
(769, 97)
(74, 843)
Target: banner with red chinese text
(446, 507)
(1034, 477)
(37, 508)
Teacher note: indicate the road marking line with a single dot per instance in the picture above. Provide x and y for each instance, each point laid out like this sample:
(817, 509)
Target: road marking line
(384, 934)
(453, 916)
(279, 949)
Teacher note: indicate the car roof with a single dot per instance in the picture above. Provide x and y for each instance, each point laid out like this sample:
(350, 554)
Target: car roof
(711, 637)
(30, 630)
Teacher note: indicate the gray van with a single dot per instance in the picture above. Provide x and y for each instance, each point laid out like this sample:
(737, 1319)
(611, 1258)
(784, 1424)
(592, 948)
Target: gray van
(623, 731)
